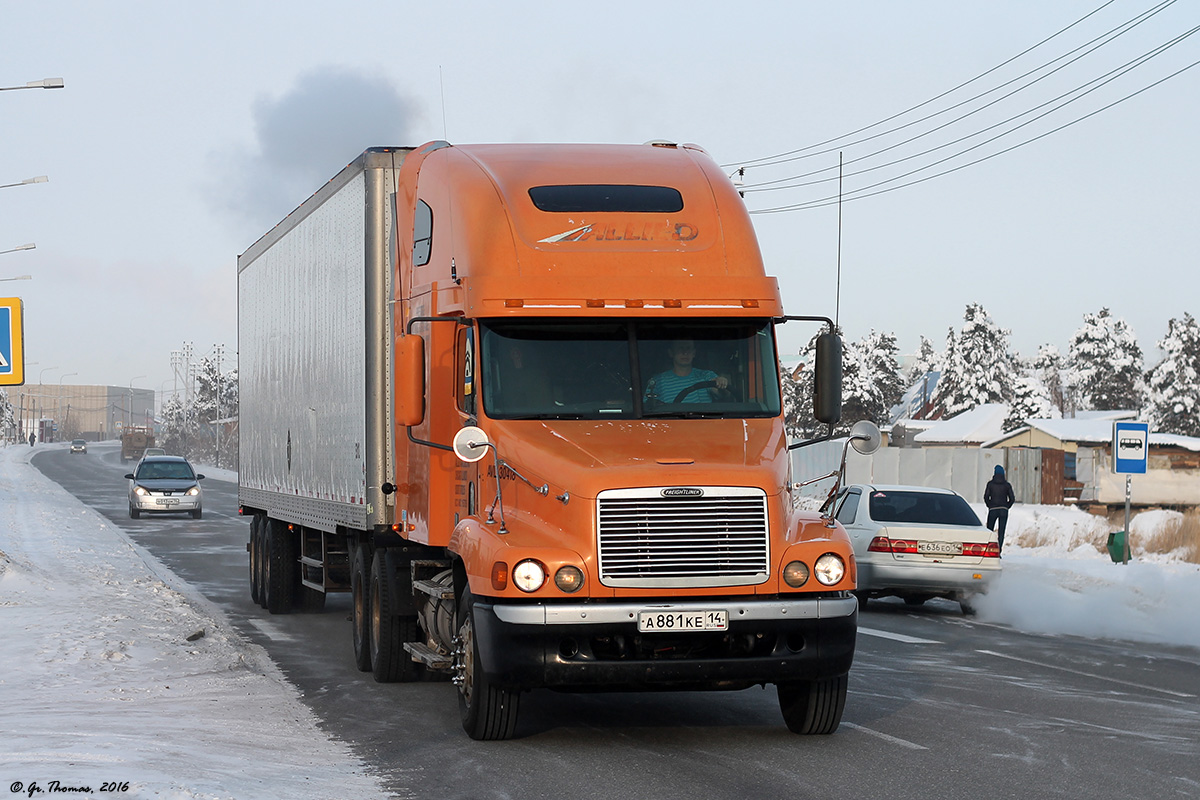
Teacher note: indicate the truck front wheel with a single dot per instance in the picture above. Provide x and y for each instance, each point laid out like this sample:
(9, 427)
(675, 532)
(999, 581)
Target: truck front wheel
(488, 712)
(813, 707)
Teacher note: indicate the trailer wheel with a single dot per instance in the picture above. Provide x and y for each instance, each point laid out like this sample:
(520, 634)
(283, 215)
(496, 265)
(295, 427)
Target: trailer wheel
(390, 662)
(813, 707)
(280, 561)
(488, 712)
(361, 615)
(255, 559)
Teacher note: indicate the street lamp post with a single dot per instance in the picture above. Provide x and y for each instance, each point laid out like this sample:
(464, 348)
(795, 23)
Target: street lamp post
(131, 380)
(38, 179)
(44, 83)
(58, 397)
(40, 395)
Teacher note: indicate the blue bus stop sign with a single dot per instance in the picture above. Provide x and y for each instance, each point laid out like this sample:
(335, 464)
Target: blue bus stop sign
(1131, 443)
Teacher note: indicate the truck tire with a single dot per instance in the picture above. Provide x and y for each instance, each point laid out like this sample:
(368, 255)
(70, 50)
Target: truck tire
(813, 707)
(360, 618)
(390, 662)
(488, 712)
(255, 558)
(280, 562)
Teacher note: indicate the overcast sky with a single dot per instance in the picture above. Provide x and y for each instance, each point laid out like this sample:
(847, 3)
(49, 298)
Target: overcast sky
(186, 130)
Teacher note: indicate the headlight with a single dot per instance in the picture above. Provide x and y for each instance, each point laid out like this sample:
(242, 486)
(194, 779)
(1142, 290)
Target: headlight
(195, 490)
(529, 576)
(138, 490)
(795, 574)
(830, 569)
(569, 579)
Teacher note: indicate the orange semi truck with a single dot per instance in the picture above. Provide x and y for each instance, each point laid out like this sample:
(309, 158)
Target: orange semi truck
(522, 402)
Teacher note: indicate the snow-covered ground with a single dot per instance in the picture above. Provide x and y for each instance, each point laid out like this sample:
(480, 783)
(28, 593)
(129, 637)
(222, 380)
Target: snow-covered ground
(112, 669)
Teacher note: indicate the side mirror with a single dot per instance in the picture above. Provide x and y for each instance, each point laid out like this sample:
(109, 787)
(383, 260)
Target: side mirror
(470, 444)
(129, 476)
(827, 383)
(409, 366)
(865, 437)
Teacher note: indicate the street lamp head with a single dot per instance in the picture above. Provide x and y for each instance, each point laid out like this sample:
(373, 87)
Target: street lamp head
(18, 278)
(29, 246)
(44, 83)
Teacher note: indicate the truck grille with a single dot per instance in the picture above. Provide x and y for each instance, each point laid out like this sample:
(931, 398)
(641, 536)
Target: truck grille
(683, 536)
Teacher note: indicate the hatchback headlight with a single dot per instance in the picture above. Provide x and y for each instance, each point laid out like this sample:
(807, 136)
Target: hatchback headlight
(830, 569)
(140, 491)
(192, 492)
(529, 575)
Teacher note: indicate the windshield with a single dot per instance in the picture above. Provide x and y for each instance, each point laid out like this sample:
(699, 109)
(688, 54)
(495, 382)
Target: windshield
(629, 369)
(924, 507)
(170, 470)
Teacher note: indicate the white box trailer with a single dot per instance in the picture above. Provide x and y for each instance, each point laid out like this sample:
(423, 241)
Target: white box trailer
(314, 333)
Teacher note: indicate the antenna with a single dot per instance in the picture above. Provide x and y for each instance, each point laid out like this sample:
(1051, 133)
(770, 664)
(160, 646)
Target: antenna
(837, 300)
(442, 87)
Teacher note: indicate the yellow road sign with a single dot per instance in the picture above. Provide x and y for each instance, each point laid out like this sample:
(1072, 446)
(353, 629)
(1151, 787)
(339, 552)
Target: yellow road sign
(12, 343)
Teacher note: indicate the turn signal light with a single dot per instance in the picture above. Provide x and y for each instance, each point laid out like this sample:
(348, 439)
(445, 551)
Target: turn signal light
(499, 576)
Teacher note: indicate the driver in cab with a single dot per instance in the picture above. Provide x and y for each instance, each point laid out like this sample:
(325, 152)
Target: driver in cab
(682, 383)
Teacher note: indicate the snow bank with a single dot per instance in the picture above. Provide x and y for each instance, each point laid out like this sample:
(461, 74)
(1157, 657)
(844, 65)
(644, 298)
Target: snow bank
(1059, 578)
(108, 673)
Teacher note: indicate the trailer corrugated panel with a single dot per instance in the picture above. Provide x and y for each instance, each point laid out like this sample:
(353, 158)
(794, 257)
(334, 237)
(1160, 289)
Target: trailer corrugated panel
(313, 331)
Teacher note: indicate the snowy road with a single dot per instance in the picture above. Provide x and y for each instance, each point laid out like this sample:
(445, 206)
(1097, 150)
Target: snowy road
(939, 705)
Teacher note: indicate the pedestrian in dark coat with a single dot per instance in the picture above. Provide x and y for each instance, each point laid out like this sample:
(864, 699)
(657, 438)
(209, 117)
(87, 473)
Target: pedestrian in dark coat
(998, 497)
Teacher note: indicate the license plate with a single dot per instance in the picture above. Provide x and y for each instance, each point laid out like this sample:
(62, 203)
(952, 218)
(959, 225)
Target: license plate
(667, 621)
(167, 501)
(940, 548)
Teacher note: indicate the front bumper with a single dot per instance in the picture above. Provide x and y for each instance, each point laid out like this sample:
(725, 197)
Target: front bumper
(581, 646)
(154, 503)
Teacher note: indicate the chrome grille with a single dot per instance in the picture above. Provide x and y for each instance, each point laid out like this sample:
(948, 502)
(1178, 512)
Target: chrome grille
(661, 537)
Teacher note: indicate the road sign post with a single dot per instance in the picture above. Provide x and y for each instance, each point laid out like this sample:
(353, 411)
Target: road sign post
(12, 342)
(1130, 448)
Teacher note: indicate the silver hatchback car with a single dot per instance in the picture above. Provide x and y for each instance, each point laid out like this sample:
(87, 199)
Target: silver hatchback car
(165, 485)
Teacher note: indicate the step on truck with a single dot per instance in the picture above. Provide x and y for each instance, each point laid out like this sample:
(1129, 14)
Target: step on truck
(522, 403)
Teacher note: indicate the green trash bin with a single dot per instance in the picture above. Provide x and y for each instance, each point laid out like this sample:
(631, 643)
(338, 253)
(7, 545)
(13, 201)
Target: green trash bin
(1116, 546)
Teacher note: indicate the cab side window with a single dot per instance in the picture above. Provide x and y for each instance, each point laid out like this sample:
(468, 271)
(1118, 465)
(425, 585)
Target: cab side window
(422, 234)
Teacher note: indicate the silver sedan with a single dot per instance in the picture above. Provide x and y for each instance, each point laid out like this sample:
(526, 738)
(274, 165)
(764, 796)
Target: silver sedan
(165, 484)
(916, 543)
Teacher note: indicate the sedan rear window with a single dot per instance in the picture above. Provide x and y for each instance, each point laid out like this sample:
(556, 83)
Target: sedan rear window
(921, 507)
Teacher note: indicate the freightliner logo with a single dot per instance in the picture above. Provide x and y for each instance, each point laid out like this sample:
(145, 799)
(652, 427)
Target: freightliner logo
(683, 491)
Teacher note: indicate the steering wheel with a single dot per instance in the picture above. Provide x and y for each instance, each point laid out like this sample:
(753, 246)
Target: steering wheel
(694, 387)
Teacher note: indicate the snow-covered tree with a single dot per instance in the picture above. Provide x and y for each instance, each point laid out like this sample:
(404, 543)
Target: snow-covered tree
(797, 406)
(927, 361)
(1174, 383)
(873, 384)
(179, 427)
(978, 367)
(8, 420)
(1030, 400)
(1104, 365)
(1048, 367)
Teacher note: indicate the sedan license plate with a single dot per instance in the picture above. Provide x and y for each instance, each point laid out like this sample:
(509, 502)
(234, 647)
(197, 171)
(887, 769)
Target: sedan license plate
(167, 501)
(940, 548)
(685, 621)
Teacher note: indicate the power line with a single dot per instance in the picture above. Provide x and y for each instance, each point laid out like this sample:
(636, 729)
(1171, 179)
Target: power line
(1111, 37)
(759, 161)
(830, 201)
(1079, 92)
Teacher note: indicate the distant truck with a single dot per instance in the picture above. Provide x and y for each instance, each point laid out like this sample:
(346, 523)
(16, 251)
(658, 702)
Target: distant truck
(523, 403)
(134, 441)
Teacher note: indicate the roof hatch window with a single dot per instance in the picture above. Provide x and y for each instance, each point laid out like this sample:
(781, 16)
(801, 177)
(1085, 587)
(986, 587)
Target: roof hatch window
(607, 197)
